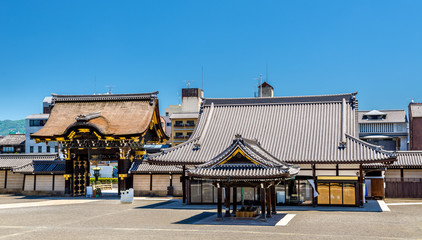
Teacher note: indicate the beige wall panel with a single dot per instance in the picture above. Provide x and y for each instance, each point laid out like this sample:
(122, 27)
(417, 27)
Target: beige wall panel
(59, 182)
(305, 173)
(392, 173)
(325, 172)
(325, 166)
(2, 175)
(412, 173)
(44, 183)
(304, 166)
(14, 180)
(348, 172)
(348, 166)
(160, 182)
(29, 183)
(177, 184)
(141, 182)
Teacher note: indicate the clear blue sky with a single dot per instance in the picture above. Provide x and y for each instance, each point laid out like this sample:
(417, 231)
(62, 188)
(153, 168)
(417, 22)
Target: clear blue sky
(311, 47)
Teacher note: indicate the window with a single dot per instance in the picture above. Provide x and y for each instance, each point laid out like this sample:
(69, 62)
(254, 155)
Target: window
(39, 149)
(8, 149)
(48, 149)
(190, 123)
(178, 135)
(37, 122)
(178, 124)
(168, 124)
(56, 148)
(31, 149)
(167, 113)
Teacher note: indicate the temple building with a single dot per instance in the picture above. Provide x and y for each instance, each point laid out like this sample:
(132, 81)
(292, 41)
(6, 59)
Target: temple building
(94, 128)
(307, 148)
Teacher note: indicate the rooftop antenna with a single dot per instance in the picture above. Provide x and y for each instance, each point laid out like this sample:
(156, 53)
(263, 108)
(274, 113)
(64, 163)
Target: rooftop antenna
(188, 82)
(259, 84)
(109, 89)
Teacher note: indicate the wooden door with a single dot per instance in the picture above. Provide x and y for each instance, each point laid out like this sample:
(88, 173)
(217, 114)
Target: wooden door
(377, 187)
(80, 173)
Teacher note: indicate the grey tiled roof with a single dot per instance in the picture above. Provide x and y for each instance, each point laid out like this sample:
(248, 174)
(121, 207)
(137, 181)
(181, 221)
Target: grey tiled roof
(392, 116)
(143, 167)
(293, 129)
(405, 159)
(264, 166)
(13, 139)
(8, 161)
(40, 166)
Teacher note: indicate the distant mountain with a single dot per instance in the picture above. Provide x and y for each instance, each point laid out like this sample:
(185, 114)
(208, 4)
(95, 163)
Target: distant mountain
(15, 126)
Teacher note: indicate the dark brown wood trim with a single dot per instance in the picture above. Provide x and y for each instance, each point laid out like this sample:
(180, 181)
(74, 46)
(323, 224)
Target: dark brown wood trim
(5, 179)
(263, 197)
(150, 181)
(23, 186)
(35, 182)
(171, 180)
(314, 198)
(361, 185)
(53, 183)
(184, 183)
(337, 170)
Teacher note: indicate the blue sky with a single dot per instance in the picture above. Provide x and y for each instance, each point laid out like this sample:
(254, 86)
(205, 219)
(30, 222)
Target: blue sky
(311, 47)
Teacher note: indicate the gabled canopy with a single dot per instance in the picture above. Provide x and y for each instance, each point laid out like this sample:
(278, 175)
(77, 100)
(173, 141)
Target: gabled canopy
(244, 159)
(112, 115)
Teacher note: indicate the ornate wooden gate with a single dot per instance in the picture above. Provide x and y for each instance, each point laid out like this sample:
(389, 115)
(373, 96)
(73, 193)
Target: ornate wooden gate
(80, 174)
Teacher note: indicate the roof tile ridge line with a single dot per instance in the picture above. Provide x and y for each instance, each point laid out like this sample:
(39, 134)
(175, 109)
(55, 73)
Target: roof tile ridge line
(105, 95)
(167, 150)
(303, 96)
(207, 123)
(265, 164)
(273, 103)
(409, 151)
(375, 147)
(22, 166)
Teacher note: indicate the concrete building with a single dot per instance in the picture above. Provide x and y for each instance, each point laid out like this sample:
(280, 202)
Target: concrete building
(35, 122)
(386, 128)
(415, 126)
(181, 119)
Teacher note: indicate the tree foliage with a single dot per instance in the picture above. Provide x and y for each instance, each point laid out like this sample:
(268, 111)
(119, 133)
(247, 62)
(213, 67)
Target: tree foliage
(14, 126)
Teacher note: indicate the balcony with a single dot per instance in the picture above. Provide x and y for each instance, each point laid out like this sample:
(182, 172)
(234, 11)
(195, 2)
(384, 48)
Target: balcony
(178, 125)
(190, 125)
(179, 137)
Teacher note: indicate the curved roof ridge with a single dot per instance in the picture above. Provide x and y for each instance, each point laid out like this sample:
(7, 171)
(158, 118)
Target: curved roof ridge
(104, 97)
(375, 147)
(324, 95)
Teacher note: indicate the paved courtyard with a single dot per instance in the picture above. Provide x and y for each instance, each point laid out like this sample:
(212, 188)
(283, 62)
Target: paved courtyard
(153, 218)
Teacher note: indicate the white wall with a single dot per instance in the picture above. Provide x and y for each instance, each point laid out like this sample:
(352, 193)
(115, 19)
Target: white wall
(106, 171)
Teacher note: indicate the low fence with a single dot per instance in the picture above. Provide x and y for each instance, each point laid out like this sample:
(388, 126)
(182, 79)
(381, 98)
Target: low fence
(403, 187)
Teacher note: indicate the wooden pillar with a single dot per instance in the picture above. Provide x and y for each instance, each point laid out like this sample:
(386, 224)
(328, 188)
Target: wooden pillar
(268, 201)
(401, 174)
(361, 185)
(53, 182)
(234, 200)
(262, 190)
(273, 199)
(188, 192)
(184, 183)
(24, 179)
(337, 170)
(219, 203)
(227, 201)
(35, 182)
(314, 198)
(5, 179)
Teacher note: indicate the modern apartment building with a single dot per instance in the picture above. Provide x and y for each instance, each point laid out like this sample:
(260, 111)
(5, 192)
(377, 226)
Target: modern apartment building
(386, 128)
